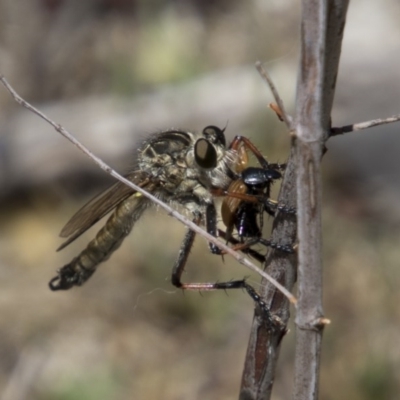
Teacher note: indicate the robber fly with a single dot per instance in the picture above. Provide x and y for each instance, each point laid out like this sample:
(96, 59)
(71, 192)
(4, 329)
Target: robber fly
(178, 167)
(181, 168)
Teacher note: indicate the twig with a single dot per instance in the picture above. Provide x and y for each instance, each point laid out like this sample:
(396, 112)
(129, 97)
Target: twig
(265, 75)
(275, 108)
(364, 125)
(237, 256)
(322, 30)
(264, 342)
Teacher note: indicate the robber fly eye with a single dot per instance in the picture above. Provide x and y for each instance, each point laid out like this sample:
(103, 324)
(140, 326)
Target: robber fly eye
(214, 135)
(205, 154)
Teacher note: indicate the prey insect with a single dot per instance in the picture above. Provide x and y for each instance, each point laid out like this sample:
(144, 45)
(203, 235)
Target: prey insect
(248, 197)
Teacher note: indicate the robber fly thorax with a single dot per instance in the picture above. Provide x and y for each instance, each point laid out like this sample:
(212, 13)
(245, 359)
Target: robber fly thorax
(184, 166)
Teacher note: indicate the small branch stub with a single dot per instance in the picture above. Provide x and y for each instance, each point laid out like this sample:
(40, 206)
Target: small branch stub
(315, 325)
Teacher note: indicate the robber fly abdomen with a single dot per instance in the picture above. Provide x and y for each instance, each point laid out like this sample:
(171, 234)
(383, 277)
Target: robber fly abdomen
(107, 240)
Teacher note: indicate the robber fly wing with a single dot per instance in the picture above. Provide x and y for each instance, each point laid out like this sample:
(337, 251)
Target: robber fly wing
(99, 206)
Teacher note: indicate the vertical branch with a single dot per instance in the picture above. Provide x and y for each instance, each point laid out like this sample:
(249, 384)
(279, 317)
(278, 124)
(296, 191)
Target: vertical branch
(322, 31)
(264, 342)
(321, 35)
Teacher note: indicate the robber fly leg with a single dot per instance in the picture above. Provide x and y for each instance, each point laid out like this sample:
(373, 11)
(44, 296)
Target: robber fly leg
(271, 206)
(286, 248)
(211, 226)
(246, 246)
(273, 321)
(180, 266)
(247, 250)
(183, 255)
(278, 166)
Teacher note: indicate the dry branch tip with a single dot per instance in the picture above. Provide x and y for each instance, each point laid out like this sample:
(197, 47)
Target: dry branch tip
(265, 75)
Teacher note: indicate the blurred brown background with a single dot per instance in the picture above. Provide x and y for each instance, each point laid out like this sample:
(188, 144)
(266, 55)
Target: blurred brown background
(112, 71)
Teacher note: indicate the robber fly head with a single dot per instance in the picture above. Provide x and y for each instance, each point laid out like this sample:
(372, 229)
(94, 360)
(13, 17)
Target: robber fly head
(212, 159)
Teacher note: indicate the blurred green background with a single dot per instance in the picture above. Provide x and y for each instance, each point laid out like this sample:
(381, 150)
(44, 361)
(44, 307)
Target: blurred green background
(113, 71)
